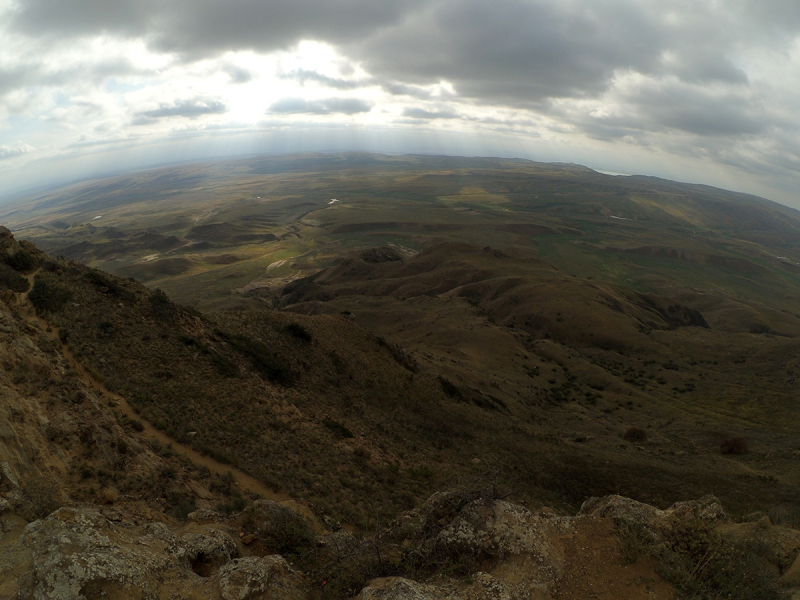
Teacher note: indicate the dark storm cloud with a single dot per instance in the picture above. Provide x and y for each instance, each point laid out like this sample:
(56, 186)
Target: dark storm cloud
(517, 50)
(523, 51)
(347, 106)
(207, 27)
(700, 111)
(187, 108)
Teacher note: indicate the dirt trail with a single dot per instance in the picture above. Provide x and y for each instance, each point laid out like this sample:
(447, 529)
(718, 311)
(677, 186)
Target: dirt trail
(242, 479)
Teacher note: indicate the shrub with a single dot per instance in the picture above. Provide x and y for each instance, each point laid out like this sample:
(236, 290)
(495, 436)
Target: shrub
(40, 497)
(263, 359)
(737, 445)
(162, 306)
(635, 434)
(298, 331)
(22, 261)
(449, 388)
(10, 279)
(106, 283)
(48, 297)
(337, 428)
(702, 565)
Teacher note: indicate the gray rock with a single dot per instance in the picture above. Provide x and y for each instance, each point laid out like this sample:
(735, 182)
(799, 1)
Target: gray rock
(78, 549)
(398, 588)
(255, 578)
(619, 507)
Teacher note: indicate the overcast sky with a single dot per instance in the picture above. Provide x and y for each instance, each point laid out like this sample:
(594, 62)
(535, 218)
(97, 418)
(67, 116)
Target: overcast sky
(696, 90)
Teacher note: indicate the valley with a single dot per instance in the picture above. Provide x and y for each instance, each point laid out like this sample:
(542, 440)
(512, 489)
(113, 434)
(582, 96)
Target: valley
(565, 333)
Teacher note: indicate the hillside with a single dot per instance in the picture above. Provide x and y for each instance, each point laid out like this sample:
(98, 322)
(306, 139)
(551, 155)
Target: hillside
(94, 505)
(539, 334)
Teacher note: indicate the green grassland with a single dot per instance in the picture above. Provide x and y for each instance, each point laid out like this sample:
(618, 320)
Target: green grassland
(520, 314)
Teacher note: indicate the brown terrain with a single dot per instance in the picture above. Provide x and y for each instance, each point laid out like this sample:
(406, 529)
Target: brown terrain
(415, 413)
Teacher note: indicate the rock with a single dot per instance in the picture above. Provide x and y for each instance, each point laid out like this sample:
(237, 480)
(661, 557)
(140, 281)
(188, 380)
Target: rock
(8, 474)
(398, 588)
(619, 507)
(253, 578)
(77, 550)
(792, 574)
(487, 587)
(525, 544)
(205, 515)
(708, 509)
(8, 297)
(207, 551)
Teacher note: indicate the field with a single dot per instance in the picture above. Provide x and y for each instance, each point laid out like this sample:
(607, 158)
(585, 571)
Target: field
(460, 313)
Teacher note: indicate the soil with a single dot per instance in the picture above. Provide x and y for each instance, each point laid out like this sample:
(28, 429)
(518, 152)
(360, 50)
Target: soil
(594, 568)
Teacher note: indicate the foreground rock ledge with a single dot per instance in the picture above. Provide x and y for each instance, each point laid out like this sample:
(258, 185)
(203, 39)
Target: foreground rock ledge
(86, 552)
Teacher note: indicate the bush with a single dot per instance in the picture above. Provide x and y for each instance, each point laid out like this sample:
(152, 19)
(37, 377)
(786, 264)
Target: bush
(11, 280)
(449, 388)
(106, 283)
(635, 434)
(338, 428)
(162, 306)
(702, 565)
(40, 497)
(22, 261)
(263, 359)
(299, 331)
(48, 297)
(737, 445)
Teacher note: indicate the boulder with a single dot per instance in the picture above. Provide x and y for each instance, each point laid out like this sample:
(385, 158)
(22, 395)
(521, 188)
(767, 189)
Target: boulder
(207, 551)
(398, 588)
(253, 578)
(524, 547)
(621, 508)
(76, 551)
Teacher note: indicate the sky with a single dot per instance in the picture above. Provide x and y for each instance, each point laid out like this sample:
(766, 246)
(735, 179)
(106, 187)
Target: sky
(702, 91)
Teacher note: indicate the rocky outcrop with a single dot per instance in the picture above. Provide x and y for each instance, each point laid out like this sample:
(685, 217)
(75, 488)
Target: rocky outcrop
(86, 552)
(259, 578)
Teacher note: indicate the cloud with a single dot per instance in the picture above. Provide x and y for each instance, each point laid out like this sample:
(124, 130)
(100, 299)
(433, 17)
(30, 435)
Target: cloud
(238, 74)
(17, 149)
(346, 106)
(678, 78)
(190, 109)
(419, 113)
(401, 89)
(303, 75)
(195, 28)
